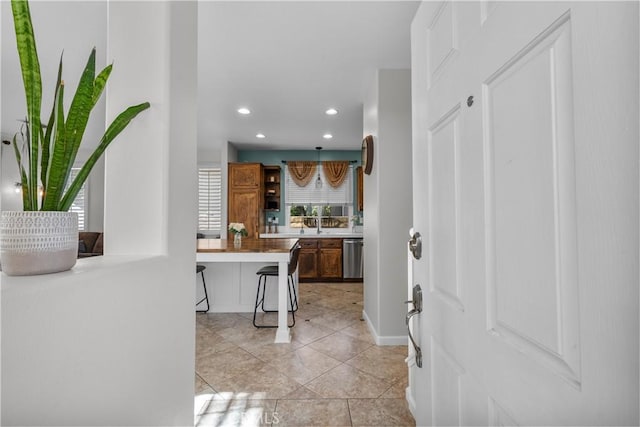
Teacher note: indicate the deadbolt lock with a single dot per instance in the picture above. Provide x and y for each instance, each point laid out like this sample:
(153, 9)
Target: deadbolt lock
(415, 245)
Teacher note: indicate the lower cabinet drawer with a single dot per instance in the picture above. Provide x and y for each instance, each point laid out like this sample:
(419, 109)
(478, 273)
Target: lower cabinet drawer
(308, 243)
(330, 243)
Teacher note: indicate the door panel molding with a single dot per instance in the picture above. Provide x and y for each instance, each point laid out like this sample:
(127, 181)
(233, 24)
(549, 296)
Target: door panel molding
(498, 416)
(530, 204)
(442, 43)
(446, 386)
(444, 213)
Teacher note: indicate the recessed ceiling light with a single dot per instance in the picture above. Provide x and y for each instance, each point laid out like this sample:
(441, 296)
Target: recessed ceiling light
(331, 112)
(244, 111)
(260, 135)
(327, 136)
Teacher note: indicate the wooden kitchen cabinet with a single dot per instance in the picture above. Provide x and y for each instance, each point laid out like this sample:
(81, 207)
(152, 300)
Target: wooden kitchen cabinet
(320, 259)
(330, 259)
(246, 196)
(308, 259)
(245, 175)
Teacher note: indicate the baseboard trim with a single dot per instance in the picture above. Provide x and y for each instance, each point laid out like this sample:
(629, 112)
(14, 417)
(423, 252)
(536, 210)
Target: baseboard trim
(384, 340)
(410, 401)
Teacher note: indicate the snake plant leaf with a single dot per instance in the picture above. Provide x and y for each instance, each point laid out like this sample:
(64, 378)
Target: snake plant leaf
(57, 163)
(66, 145)
(30, 67)
(114, 129)
(26, 201)
(46, 141)
(101, 82)
(55, 184)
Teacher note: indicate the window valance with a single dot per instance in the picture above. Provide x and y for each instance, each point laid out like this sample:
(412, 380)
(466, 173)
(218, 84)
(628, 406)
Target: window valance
(336, 172)
(301, 172)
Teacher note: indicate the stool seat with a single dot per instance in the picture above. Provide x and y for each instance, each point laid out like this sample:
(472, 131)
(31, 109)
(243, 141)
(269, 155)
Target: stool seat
(268, 270)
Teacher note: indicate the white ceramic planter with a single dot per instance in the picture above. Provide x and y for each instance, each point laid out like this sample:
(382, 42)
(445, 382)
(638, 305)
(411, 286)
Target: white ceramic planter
(38, 242)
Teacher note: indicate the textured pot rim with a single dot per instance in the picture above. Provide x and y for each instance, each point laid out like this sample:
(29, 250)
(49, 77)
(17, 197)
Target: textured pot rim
(38, 212)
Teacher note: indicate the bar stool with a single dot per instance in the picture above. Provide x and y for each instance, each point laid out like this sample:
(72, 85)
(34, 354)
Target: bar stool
(273, 271)
(200, 269)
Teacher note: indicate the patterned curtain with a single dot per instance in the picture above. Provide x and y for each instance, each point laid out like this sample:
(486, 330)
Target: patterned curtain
(336, 172)
(301, 172)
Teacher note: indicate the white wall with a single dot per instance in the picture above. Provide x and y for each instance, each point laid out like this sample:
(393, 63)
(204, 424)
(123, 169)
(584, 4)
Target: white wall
(111, 342)
(388, 204)
(371, 279)
(228, 155)
(209, 156)
(9, 199)
(94, 203)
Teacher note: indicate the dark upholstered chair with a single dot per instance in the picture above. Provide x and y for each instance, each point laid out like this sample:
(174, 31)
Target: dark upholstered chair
(90, 244)
(272, 271)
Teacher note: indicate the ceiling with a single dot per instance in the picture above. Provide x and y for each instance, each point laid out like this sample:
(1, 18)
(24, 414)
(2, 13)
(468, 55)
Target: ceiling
(288, 62)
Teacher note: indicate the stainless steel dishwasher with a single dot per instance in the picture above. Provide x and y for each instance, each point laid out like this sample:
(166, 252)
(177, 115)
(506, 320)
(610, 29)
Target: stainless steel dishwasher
(352, 260)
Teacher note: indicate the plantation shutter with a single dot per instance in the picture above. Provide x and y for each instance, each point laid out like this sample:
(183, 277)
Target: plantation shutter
(209, 199)
(309, 194)
(79, 204)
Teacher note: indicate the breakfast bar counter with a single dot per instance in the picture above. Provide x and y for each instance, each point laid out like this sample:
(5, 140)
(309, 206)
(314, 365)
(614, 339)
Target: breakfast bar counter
(254, 251)
(261, 246)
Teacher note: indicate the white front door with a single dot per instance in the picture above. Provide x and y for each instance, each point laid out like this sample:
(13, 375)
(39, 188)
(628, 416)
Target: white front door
(525, 144)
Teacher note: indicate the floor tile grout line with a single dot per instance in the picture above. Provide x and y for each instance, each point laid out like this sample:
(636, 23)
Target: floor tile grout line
(349, 410)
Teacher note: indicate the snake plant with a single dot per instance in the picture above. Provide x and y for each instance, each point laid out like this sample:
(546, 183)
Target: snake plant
(50, 150)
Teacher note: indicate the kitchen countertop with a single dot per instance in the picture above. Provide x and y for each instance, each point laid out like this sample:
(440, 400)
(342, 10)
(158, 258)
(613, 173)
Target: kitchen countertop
(248, 245)
(312, 235)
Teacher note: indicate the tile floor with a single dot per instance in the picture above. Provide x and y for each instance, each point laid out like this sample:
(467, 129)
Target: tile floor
(331, 374)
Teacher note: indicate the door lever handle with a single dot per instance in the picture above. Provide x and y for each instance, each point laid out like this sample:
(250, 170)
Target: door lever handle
(410, 314)
(417, 304)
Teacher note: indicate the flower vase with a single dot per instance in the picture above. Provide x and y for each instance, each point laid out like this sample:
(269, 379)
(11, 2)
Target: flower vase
(237, 240)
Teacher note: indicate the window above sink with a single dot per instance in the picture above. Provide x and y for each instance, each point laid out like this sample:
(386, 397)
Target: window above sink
(331, 216)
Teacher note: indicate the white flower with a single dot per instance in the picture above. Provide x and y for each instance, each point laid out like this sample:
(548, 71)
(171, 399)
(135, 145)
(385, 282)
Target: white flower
(238, 227)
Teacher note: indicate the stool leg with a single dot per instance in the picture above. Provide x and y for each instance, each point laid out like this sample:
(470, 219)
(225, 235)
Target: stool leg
(259, 301)
(292, 289)
(293, 312)
(255, 308)
(264, 292)
(206, 297)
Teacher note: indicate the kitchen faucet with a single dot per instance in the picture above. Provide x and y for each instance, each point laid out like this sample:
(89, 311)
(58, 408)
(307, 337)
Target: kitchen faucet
(318, 231)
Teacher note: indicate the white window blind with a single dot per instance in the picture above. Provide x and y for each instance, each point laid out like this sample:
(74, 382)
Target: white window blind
(79, 204)
(209, 199)
(309, 194)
